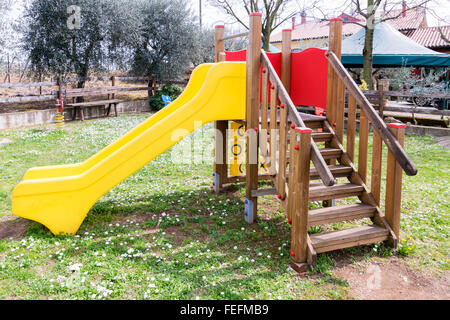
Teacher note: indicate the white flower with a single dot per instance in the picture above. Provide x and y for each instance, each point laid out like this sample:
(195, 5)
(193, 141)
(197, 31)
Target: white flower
(75, 267)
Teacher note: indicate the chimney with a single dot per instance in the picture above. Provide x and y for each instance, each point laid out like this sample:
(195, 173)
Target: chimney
(303, 14)
(404, 8)
(293, 23)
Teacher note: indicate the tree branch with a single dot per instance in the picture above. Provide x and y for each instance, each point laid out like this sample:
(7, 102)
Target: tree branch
(407, 9)
(443, 36)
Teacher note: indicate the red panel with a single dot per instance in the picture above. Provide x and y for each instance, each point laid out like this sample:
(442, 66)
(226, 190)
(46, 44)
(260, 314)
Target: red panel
(309, 75)
(236, 55)
(275, 59)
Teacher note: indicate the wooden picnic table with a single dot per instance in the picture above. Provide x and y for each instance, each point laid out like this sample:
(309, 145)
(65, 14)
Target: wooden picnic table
(81, 105)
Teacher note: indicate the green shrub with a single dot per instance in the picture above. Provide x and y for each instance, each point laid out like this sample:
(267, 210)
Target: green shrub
(171, 90)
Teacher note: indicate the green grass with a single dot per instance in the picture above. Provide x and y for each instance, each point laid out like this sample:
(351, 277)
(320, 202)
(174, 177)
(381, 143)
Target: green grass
(162, 234)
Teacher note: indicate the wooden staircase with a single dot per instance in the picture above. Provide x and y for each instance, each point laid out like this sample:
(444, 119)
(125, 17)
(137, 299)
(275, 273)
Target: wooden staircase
(350, 185)
(302, 140)
(306, 156)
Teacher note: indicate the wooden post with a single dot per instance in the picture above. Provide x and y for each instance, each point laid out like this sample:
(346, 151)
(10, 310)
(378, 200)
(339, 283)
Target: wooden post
(394, 182)
(286, 53)
(265, 100)
(302, 160)
(351, 127)
(335, 45)
(219, 45)
(363, 145)
(220, 142)
(281, 177)
(377, 157)
(252, 112)
(335, 90)
(381, 100)
(292, 182)
(264, 143)
(150, 87)
(113, 83)
(273, 130)
(340, 110)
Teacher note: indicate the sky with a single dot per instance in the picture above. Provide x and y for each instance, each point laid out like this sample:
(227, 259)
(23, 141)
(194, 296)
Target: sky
(212, 16)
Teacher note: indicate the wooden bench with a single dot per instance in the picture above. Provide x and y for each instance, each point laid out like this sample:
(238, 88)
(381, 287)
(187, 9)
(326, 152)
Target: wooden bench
(106, 103)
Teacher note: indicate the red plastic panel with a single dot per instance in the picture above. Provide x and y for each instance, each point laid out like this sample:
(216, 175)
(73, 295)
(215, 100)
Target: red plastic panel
(309, 75)
(275, 59)
(236, 55)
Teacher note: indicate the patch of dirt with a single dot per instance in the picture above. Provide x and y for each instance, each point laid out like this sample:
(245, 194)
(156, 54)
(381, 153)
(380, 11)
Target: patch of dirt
(13, 228)
(393, 280)
(180, 235)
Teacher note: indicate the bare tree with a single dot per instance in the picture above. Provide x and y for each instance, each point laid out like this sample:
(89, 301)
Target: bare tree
(442, 21)
(371, 13)
(275, 13)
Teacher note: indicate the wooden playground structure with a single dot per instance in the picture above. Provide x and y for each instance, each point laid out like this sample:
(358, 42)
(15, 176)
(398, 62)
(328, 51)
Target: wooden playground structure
(291, 141)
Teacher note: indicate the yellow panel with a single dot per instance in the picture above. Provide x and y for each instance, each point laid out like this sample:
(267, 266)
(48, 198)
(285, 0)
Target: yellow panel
(237, 152)
(60, 197)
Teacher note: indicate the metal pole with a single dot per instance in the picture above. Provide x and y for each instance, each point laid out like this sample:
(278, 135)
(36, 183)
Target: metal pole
(200, 12)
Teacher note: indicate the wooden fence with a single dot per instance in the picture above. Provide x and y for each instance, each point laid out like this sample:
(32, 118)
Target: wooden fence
(69, 92)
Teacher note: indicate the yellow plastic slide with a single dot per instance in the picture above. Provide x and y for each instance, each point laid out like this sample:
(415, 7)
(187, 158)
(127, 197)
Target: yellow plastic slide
(60, 197)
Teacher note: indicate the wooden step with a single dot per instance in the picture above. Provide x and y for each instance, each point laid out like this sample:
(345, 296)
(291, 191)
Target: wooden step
(317, 136)
(338, 171)
(334, 240)
(321, 192)
(340, 213)
(330, 153)
(327, 154)
(322, 136)
(313, 121)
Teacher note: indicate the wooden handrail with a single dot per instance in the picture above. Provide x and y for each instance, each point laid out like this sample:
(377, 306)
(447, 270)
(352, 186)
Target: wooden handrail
(239, 35)
(319, 163)
(378, 124)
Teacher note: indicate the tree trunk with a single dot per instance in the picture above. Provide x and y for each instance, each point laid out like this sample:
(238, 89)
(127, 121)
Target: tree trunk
(266, 42)
(82, 75)
(368, 57)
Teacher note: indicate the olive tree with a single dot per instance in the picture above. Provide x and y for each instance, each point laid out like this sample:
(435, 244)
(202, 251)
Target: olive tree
(168, 39)
(75, 36)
